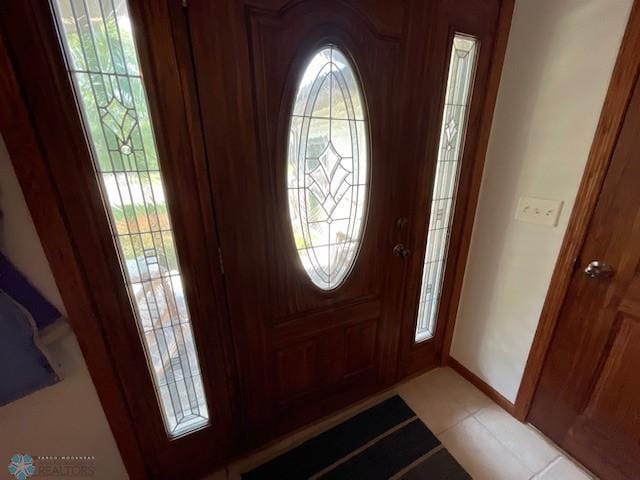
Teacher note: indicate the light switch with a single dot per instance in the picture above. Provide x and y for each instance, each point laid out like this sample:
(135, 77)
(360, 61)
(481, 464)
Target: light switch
(539, 210)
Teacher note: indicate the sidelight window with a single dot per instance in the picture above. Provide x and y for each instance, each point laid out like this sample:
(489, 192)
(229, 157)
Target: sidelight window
(103, 64)
(327, 167)
(457, 98)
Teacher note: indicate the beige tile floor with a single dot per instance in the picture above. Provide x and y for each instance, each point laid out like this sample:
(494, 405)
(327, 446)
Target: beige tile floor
(487, 441)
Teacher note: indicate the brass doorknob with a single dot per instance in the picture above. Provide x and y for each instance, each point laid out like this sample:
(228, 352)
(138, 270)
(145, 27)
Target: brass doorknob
(401, 251)
(598, 269)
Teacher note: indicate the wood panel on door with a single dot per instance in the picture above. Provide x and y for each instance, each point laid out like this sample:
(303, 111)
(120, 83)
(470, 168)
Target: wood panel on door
(588, 398)
(302, 350)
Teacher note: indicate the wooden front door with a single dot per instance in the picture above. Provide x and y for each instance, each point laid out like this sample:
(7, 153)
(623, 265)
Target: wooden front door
(588, 398)
(304, 345)
(250, 198)
(322, 101)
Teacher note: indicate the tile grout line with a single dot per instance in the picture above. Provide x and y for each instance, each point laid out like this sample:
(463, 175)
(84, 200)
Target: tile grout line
(451, 397)
(560, 453)
(563, 453)
(506, 447)
(452, 426)
(547, 467)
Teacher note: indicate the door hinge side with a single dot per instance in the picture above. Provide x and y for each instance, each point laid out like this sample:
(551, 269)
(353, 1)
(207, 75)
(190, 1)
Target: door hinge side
(220, 260)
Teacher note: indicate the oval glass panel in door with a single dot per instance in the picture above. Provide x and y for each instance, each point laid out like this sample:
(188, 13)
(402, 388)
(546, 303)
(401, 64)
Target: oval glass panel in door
(328, 167)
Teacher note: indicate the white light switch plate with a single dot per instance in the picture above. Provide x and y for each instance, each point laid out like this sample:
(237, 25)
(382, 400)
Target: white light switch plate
(539, 210)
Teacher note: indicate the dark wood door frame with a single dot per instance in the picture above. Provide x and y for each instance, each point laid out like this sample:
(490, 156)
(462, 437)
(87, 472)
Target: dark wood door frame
(22, 132)
(618, 96)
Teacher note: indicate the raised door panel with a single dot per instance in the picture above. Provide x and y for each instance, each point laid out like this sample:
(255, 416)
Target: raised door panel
(607, 430)
(615, 404)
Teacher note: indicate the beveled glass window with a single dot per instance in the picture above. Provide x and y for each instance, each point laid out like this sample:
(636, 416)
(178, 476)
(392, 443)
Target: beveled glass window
(102, 60)
(457, 99)
(328, 167)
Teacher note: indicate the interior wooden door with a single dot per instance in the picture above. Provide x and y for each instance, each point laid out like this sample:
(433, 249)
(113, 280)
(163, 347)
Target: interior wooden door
(588, 398)
(310, 336)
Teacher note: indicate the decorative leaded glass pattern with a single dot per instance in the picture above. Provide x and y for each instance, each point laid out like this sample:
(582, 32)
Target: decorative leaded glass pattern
(457, 98)
(103, 64)
(327, 168)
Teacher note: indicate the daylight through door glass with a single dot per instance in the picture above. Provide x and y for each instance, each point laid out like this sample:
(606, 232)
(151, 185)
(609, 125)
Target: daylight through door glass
(457, 98)
(103, 63)
(327, 167)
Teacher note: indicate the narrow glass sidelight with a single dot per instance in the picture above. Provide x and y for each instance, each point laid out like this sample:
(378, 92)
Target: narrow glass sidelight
(457, 98)
(101, 56)
(327, 167)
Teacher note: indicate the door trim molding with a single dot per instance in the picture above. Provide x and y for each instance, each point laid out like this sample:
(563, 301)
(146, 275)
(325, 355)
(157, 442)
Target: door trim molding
(623, 80)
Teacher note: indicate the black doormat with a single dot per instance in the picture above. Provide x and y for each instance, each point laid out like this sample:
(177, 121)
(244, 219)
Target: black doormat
(386, 441)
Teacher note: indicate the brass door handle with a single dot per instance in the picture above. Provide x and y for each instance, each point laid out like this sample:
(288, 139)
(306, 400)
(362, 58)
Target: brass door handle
(598, 269)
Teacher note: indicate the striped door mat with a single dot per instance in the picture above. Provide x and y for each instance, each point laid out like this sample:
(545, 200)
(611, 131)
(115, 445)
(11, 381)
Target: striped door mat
(386, 441)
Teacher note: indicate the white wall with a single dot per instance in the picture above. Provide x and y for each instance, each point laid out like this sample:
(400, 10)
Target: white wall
(66, 418)
(557, 68)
